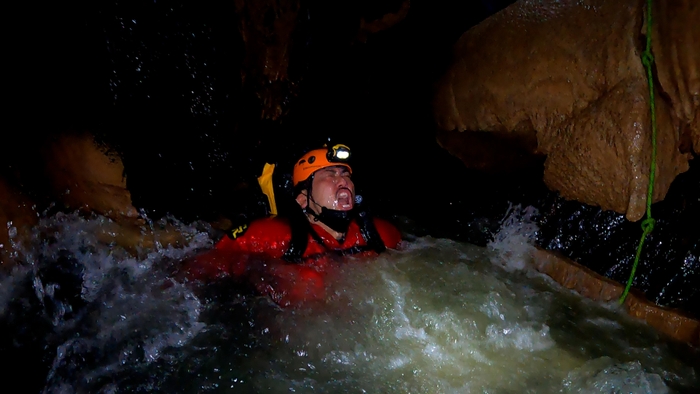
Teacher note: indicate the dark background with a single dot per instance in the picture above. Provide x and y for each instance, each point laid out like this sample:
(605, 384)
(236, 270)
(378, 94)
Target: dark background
(160, 83)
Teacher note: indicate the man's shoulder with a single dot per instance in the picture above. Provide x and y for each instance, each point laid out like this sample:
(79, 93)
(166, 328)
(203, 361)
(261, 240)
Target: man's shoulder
(269, 223)
(258, 232)
(273, 227)
(391, 236)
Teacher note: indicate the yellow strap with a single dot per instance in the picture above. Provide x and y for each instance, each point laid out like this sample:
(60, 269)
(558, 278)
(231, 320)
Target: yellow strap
(265, 181)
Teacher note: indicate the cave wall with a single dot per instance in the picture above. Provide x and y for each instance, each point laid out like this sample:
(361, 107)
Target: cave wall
(82, 175)
(73, 172)
(568, 75)
(173, 87)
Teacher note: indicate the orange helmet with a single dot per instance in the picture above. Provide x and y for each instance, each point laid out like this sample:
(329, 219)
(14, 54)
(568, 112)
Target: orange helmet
(317, 159)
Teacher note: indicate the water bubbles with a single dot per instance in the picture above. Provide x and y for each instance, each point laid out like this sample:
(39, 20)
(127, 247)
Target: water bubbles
(515, 240)
(604, 375)
(438, 316)
(132, 319)
(522, 338)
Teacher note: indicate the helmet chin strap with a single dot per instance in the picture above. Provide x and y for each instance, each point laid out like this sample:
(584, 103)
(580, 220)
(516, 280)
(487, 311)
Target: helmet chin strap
(335, 219)
(311, 211)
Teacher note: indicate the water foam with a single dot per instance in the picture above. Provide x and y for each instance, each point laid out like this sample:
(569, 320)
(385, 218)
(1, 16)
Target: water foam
(514, 242)
(438, 316)
(110, 311)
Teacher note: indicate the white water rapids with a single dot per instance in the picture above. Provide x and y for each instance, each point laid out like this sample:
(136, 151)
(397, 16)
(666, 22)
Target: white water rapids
(438, 316)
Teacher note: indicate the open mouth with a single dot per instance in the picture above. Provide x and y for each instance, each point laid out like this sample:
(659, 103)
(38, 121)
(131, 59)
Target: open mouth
(345, 199)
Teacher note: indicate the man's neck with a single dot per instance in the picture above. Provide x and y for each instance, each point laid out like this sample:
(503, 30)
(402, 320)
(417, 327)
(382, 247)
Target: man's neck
(335, 234)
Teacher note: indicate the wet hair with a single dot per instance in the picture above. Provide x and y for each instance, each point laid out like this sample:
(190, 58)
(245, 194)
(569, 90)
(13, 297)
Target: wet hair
(303, 185)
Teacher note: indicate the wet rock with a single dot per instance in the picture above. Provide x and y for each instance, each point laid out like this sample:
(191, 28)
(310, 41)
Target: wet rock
(369, 27)
(602, 156)
(78, 175)
(266, 28)
(673, 323)
(140, 239)
(606, 242)
(492, 152)
(683, 285)
(677, 58)
(569, 75)
(275, 34)
(85, 176)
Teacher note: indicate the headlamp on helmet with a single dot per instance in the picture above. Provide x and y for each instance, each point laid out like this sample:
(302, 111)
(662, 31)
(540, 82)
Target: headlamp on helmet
(337, 155)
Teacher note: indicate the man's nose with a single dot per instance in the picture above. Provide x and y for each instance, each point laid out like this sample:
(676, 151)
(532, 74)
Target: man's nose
(342, 181)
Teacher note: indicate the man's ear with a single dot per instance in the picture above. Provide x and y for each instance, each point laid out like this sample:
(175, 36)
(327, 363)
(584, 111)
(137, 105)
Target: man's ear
(303, 200)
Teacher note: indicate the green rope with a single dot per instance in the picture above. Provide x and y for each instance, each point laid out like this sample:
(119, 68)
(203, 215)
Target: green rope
(648, 223)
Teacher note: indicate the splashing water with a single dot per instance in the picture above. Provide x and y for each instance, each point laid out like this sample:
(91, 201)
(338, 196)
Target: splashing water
(107, 313)
(436, 317)
(513, 242)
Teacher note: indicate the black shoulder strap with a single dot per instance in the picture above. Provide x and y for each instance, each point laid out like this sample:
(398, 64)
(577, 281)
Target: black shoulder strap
(300, 228)
(369, 230)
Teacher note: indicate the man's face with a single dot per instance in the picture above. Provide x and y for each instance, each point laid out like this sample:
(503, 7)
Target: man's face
(332, 188)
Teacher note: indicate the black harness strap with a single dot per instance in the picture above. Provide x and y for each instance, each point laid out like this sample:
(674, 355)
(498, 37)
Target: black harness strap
(301, 228)
(343, 252)
(369, 232)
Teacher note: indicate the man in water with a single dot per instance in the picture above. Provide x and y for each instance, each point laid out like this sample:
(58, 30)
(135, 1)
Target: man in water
(287, 257)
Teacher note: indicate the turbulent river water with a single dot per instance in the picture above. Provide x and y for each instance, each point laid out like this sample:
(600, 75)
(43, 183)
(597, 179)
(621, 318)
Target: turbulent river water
(437, 316)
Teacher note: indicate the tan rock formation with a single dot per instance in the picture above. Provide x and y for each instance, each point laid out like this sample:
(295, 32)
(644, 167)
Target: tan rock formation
(571, 275)
(569, 74)
(138, 239)
(675, 40)
(87, 177)
(83, 176)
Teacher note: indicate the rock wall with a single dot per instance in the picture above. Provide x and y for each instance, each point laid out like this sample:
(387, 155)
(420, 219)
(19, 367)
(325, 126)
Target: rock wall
(78, 174)
(674, 40)
(670, 322)
(273, 34)
(82, 175)
(569, 75)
